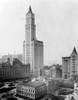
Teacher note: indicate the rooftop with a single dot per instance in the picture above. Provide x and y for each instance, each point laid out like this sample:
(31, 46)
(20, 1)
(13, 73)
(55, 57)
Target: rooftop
(65, 57)
(74, 50)
(39, 41)
(32, 84)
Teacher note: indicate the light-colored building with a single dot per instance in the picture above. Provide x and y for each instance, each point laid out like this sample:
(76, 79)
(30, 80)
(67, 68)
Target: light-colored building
(70, 65)
(56, 71)
(76, 90)
(69, 97)
(32, 90)
(32, 48)
(47, 72)
(53, 71)
(66, 67)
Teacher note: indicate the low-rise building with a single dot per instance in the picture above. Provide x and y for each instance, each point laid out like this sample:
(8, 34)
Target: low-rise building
(15, 71)
(46, 72)
(53, 71)
(32, 90)
(56, 71)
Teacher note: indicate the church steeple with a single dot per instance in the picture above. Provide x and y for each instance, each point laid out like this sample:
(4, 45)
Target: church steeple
(30, 10)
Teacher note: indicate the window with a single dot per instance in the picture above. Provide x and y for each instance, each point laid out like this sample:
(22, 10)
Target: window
(33, 91)
(33, 95)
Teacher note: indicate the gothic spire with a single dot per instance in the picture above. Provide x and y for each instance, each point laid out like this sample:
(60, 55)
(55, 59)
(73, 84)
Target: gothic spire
(74, 50)
(30, 10)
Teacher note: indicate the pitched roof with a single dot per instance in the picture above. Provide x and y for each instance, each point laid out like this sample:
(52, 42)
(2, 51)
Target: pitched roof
(32, 84)
(74, 50)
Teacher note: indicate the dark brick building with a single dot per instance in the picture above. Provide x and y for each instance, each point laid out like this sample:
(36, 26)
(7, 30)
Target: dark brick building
(14, 71)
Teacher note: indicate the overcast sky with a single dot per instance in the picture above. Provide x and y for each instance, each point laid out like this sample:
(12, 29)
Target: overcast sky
(56, 26)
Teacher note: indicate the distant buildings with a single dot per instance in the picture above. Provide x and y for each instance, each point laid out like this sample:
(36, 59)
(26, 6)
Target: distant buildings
(53, 71)
(32, 48)
(47, 72)
(70, 65)
(15, 71)
(56, 71)
(39, 89)
(32, 90)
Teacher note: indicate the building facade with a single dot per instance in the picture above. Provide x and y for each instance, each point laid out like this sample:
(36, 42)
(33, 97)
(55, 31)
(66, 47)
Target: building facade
(11, 56)
(15, 71)
(47, 72)
(32, 48)
(52, 86)
(70, 65)
(76, 90)
(56, 71)
(53, 71)
(66, 67)
(31, 90)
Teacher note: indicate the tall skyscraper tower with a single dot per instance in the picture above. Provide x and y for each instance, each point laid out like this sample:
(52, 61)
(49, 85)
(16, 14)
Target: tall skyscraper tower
(32, 48)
